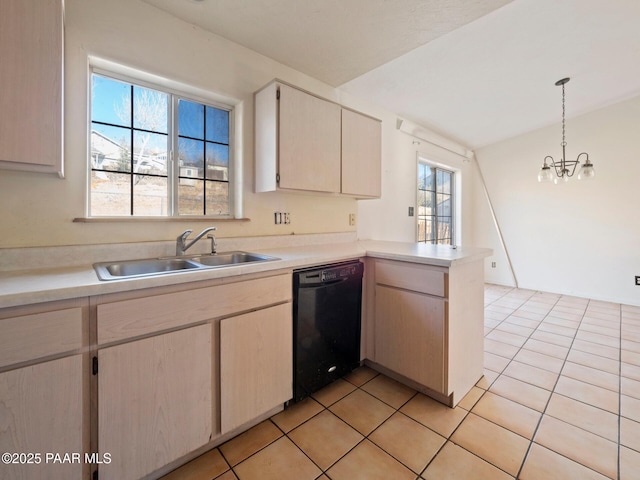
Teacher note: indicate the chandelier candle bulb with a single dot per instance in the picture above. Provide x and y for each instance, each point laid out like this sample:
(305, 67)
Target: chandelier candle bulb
(564, 168)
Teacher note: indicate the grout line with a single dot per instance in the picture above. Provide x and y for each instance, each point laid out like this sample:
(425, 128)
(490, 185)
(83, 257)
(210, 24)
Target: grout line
(620, 394)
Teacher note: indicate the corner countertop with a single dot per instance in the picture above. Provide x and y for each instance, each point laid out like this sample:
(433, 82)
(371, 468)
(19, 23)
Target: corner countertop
(43, 285)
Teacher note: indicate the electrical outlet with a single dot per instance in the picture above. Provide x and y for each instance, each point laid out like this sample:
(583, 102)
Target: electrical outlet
(493, 264)
(411, 211)
(637, 279)
(352, 219)
(282, 218)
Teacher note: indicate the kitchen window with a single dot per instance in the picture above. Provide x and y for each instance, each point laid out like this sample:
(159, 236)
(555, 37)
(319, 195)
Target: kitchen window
(157, 153)
(435, 205)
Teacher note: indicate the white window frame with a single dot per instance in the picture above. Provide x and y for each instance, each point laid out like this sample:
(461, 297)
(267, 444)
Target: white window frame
(177, 91)
(456, 196)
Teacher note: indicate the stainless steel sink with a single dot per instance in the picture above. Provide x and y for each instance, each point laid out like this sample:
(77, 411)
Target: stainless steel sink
(162, 266)
(230, 258)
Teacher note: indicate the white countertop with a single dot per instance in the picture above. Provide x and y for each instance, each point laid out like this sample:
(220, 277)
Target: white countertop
(35, 286)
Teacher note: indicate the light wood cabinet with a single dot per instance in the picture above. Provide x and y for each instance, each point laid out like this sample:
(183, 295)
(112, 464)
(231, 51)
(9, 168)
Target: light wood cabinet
(361, 155)
(154, 401)
(428, 325)
(309, 144)
(256, 367)
(44, 404)
(31, 46)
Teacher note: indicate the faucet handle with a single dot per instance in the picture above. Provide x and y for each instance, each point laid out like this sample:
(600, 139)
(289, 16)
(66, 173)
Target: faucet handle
(183, 236)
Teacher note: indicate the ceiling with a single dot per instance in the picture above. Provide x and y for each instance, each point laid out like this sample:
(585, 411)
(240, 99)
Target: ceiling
(476, 71)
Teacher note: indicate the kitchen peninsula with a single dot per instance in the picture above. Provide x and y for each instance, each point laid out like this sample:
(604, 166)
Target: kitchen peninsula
(99, 345)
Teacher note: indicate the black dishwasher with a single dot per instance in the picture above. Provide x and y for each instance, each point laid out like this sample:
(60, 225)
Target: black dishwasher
(326, 325)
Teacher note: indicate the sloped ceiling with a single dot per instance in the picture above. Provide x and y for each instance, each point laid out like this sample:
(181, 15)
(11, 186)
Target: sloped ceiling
(477, 71)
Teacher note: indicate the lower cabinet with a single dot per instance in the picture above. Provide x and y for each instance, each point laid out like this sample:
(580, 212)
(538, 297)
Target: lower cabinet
(41, 414)
(410, 335)
(154, 401)
(256, 367)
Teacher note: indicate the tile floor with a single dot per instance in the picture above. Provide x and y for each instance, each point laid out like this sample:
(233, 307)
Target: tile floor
(560, 399)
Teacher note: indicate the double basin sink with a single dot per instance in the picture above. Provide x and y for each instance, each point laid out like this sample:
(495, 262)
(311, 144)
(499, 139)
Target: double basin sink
(160, 266)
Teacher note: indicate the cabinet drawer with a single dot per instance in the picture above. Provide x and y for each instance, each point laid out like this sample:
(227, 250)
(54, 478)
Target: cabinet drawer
(409, 276)
(141, 316)
(29, 337)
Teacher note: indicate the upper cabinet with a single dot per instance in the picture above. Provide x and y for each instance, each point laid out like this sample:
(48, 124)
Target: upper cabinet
(306, 143)
(31, 48)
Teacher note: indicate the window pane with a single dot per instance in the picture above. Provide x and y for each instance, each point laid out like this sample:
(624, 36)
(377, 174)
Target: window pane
(217, 198)
(217, 125)
(110, 148)
(191, 197)
(191, 155)
(150, 153)
(217, 162)
(444, 228)
(425, 178)
(110, 101)
(190, 119)
(150, 109)
(110, 194)
(444, 204)
(149, 195)
(444, 181)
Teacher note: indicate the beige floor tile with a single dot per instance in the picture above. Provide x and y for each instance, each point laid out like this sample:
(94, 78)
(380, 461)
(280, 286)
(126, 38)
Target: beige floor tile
(497, 445)
(435, 415)
(509, 414)
(207, 466)
(630, 407)
(410, 442)
(500, 348)
(517, 319)
(248, 443)
(521, 392)
(602, 350)
(601, 329)
(629, 464)
(630, 387)
(599, 339)
(630, 346)
(587, 417)
(539, 360)
(593, 376)
(562, 322)
(536, 316)
(549, 327)
(508, 338)
(630, 433)
(630, 357)
(455, 463)
(579, 445)
(471, 398)
(369, 462)
(325, 438)
(495, 362)
(227, 476)
(544, 464)
(628, 370)
(517, 329)
(362, 411)
(389, 391)
(295, 414)
(361, 375)
(281, 460)
(334, 392)
(594, 361)
(533, 375)
(546, 348)
(587, 393)
(552, 338)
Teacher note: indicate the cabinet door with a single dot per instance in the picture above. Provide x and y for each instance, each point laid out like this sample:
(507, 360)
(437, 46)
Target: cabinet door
(154, 401)
(410, 335)
(309, 142)
(361, 155)
(41, 411)
(31, 78)
(256, 364)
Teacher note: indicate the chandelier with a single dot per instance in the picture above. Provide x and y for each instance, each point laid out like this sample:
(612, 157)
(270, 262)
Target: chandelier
(564, 169)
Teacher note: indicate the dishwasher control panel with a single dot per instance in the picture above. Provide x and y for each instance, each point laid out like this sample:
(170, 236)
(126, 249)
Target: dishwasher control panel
(337, 273)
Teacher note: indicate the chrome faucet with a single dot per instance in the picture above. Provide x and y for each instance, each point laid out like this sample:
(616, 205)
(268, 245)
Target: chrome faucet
(182, 246)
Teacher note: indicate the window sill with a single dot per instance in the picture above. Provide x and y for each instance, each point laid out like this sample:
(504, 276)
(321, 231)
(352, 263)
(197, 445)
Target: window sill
(158, 219)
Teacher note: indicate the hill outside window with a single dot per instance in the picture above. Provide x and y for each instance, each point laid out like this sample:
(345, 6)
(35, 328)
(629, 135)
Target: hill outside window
(156, 153)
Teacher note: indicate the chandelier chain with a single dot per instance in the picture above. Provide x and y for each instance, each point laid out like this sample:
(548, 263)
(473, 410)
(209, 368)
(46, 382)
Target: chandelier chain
(564, 142)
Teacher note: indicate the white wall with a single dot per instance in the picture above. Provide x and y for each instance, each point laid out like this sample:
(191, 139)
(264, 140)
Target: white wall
(38, 210)
(580, 238)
